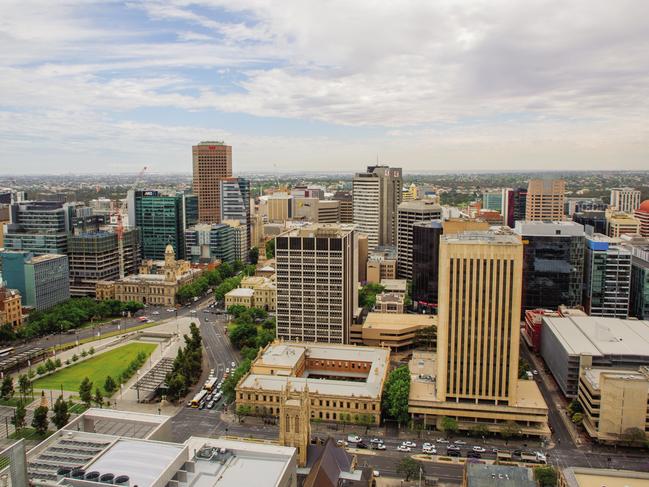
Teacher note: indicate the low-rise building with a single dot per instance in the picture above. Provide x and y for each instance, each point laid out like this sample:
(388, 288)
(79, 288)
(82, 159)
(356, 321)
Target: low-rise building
(156, 284)
(240, 297)
(615, 402)
(533, 326)
(11, 310)
(570, 344)
(343, 382)
(396, 331)
(381, 264)
(397, 286)
(599, 477)
(619, 223)
(254, 292)
(389, 303)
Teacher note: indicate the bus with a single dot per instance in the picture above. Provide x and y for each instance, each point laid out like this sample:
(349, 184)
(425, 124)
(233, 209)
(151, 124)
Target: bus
(198, 398)
(210, 384)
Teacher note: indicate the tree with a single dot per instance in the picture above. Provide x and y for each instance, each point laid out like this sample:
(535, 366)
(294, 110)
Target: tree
(243, 410)
(449, 426)
(99, 398)
(575, 407)
(24, 385)
(49, 365)
(19, 416)
(7, 389)
(253, 255)
(523, 368)
(510, 429)
(109, 385)
(236, 310)
(270, 248)
(427, 337)
(61, 415)
(367, 295)
(85, 391)
(243, 334)
(634, 435)
(91, 351)
(577, 418)
(40, 421)
(480, 430)
(75, 357)
(546, 476)
(395, 394)
(409, 468)
(40, 370)
(233, 379)
(57, 363)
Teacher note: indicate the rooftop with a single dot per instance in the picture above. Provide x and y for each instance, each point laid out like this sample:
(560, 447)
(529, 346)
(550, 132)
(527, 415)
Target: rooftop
(549, 229)
(389, 298)
(593, 375)
(241, 292)
(37, 259)
(395, 285)
(598, 477)
(599, 336)
(320, 230)
(478, 238)
(480, 475)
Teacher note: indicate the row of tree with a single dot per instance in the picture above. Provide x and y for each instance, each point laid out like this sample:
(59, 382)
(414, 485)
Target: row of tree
(40, 421)
(187, 367)
(68, 315)
(250, 330)
(214, 278)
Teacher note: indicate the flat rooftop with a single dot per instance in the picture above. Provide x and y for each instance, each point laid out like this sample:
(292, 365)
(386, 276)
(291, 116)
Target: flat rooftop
(598, 477)
(398, 321)
(37, 259)
(323, 230)
(241, 292)
(479, 475)
(479, 238)
(593, 375)
(600, 336)
(549, 229)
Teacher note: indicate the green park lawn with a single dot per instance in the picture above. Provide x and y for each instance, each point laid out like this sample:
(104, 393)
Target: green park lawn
(97, 368)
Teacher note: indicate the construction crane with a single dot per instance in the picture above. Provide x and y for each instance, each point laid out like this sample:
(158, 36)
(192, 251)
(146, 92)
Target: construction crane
(119, 229)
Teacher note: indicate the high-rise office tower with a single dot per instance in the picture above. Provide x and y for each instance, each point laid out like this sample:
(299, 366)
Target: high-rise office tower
(425, 262)
(479, 317)
(607, 277)
(94, 257)
(346, 206)
(545, 200)
(235, 203)
(642, 215)
(493, 200)
(626, 200)
(514, 203)
(475, 372)
(553, 264)
(594, 221)
(639, 294)
(211, 162)
(190, 210)
(205, 243)
(40, 227)
(376, 196)
(408, 213)
(317, 283)
(160, 219)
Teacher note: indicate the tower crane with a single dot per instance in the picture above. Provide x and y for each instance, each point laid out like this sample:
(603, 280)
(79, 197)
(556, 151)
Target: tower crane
(119, 229)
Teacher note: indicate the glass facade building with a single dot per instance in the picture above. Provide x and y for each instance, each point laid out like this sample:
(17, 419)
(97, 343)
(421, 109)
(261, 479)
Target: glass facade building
(553, 264)
(425, 262)
(206, 243)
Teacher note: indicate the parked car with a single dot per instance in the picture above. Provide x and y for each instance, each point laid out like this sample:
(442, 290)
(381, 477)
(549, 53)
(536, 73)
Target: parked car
(404, 448)
(171, 310)
(210, 405)
(479, 449)
(431, 450)
(155, 312)
(233, 365)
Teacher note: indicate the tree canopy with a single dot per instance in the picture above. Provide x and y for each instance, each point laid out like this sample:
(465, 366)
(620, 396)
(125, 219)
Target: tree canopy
(395, 394)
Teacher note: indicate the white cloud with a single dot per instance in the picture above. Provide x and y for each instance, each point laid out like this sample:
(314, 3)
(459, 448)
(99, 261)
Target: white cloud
(480, 83)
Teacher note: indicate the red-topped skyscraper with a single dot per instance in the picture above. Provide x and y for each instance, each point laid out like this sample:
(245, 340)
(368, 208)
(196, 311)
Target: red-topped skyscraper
(211, 162)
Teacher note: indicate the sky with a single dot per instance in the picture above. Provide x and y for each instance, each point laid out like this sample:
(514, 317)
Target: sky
(435, 85)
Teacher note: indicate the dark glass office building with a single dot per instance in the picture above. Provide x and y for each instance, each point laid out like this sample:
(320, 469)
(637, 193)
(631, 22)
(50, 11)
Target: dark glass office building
(553, 264)
(160, 219)
(425, 262)
(515, 204)
(594, 221)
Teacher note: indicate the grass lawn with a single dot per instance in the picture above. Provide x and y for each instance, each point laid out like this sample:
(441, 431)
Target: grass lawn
(11, 402)
(97, 368)
(29, 434)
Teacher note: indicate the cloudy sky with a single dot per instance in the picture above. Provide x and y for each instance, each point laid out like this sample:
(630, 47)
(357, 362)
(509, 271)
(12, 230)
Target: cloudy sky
(90, 86)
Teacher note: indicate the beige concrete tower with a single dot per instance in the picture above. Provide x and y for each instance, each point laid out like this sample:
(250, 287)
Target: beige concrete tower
(211, 162)
(545, 200)
(294, 421)
(479, 307)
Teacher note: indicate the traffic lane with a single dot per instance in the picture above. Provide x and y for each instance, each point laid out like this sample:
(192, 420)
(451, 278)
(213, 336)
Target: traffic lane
(387, 464)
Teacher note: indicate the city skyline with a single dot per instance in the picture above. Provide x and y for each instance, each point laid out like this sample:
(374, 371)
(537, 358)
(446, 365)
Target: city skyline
(426, 88)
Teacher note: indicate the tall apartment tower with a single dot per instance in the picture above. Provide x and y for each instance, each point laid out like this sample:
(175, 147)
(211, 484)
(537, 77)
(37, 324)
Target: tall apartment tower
(625, 199)
(376, 195)
(545, 200)
(235, 203)
(408, 213)
(479, 318)
(607, 277)
(211, 162)
(317, 283)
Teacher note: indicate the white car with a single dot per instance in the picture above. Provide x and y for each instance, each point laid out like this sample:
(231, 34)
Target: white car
(155, 312)
(376, 473)
(411, 444)
(441, 440)
(404, 448)
(379, 446)
(193, 311)
(459, 442)
(431, 450)
(233, 365)
(227, 371)
(171, 310)
(479, 449)
(341, 443)
(426, 445)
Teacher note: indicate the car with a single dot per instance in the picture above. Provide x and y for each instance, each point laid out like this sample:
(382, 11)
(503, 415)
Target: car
(441, 440)
(210, 405)
(404, 448)
(478, 449)
(452, 448)
(354, 438)
(362, 445)
(411, 444)
(495, 450)
(206, 311)
(473, 454)
(193, 311)
(430, 450)
(376, 473)
(379, 446)
(376, 440)
(341, 443)
(426, 445)
(535, 372)
(227, 370)
(233, 365)
(212, 372)
(155, 312)
(171, 310)
(459, 442)
(453, 453)
(201, 405)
